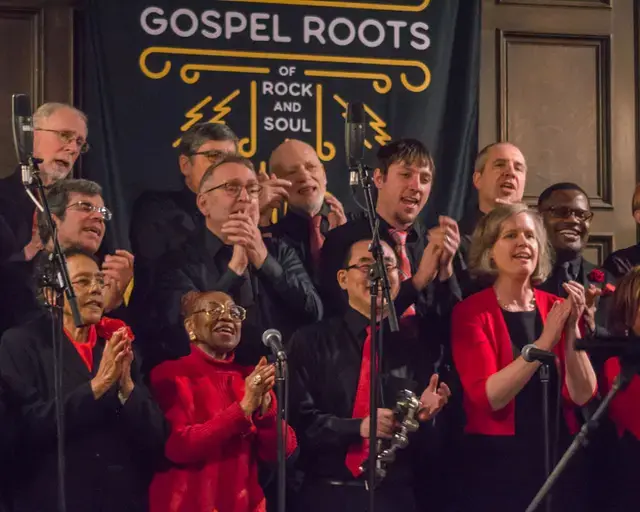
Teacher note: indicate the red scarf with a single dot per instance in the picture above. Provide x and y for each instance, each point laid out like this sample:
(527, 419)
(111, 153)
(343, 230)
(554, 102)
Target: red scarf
(104, 329)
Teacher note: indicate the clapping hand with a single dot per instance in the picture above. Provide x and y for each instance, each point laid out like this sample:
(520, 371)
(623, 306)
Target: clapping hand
(274, 192)
(116, 351)
(118, 272)
(256, 385)
(241, 229)
(433, 399)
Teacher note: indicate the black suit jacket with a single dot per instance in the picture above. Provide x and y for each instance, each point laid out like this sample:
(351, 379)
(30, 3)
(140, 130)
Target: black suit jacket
(279, 295)
(109, 448)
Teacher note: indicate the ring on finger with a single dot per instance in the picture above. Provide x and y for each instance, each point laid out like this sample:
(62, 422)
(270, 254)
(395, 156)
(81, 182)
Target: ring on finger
(257, 380)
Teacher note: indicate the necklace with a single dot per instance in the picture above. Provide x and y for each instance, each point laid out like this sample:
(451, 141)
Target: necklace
(514, 307)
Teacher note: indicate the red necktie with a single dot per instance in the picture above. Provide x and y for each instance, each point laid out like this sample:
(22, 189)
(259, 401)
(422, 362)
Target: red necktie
(316, 239)
(400, 238)
(358, 452)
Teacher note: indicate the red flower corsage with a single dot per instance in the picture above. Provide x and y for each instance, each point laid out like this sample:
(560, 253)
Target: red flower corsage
(596, 275)
(608, 289)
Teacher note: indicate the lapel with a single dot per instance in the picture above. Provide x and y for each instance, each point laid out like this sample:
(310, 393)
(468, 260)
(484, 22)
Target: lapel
(73, 365)
(585, 269)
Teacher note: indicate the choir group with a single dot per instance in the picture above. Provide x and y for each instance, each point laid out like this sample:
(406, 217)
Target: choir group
(168, 391)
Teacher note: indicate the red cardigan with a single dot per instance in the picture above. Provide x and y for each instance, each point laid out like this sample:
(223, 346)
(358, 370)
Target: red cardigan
(481, 347)
(623, 409)
(214, 446)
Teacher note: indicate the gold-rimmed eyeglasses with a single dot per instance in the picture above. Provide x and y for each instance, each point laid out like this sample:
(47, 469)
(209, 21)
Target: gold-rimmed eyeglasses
(216, 311)
(68, 136)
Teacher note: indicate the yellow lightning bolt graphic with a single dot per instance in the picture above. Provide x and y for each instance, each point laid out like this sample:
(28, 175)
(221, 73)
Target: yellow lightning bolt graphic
(194, 115)
(222, 109)
(376, 123)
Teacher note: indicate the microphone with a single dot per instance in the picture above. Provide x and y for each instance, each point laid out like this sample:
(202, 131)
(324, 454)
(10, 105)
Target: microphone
(273, 339)
(23, 134)
(354, 139)
(531, 353)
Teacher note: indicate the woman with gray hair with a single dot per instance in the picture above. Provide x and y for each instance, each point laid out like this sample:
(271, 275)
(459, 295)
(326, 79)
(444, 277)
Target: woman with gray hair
(502, 396)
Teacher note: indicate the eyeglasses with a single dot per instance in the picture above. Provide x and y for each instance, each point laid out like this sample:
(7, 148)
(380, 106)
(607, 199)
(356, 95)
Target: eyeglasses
(564, 212)
(233, 189)
(366, 268)
(85, 207)
(87, 283)
(213, 155)
(216, 311)
(67, 136)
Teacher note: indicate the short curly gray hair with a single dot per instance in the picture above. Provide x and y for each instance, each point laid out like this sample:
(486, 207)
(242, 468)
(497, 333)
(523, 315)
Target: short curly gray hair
(487, 233)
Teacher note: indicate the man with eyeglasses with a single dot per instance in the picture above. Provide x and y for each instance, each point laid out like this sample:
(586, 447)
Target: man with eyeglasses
(329, 368)
(78, 210)
(264, 276)
(566, 211)
(60, 136)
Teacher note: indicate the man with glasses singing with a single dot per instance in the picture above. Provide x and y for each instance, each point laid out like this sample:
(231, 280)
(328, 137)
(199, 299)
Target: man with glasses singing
(60, 136)
(80, 215)
(266, 277)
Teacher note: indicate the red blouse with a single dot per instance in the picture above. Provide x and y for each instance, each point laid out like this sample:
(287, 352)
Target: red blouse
(623, 409)
(214, 446)
(481, 347)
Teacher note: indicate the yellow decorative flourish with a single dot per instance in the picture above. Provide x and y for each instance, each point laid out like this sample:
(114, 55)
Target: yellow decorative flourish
(193, 117)
(252, 140)
(381, 82)
(195, 69)
(344, 5)
(222, 109)
(320, 145)
(334, 59)
(377, 124)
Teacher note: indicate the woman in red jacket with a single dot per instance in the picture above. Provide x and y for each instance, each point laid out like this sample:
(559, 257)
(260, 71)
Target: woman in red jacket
(222, 416)
(624, 409)
(502, 395)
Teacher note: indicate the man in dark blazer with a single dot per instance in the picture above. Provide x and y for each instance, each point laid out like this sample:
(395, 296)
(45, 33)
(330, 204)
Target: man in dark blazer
(265, 277)
(566, 211)
(114, 432)
(310, 212)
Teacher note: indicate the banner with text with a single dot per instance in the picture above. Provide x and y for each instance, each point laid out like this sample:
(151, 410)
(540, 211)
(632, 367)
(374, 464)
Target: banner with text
(276, 69)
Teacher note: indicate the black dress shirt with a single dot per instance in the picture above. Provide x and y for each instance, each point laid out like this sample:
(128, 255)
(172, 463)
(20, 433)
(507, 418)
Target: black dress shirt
(110, 448)
(279, 295)
(623, 260)
(325, 361)
(294, 229)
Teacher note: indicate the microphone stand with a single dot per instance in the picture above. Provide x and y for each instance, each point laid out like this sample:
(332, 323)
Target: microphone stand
(622, 380)
(544, 379)
(379, 278)
(59, 281)
(281, 398)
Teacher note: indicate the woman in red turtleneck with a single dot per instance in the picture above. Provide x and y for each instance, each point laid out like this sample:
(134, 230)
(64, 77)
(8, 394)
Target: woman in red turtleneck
(624, 409)
(222, 416)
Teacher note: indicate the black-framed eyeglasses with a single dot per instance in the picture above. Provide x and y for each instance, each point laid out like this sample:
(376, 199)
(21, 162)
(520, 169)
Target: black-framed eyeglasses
(216, 311)
(213, 155)
(565, 212)
(234, 189)
(68, 136)
(86, 207)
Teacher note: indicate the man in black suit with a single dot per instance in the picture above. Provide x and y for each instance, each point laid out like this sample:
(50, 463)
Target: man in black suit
(567, 215)
(114, 432)
(623, 260)
(566, 211)
(265, 276)
(310, 212)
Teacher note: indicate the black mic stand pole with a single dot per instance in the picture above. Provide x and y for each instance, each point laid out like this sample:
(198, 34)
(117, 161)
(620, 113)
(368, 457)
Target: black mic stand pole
(282, 399)
(379, 277)
(61, 285)
(544, 379)
(626, 373)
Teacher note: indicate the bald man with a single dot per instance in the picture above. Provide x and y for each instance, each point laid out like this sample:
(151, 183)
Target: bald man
(299, 178)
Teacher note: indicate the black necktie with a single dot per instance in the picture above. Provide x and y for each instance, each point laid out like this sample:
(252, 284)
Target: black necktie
(564, 276)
